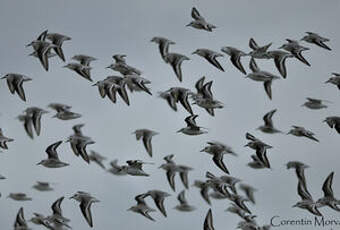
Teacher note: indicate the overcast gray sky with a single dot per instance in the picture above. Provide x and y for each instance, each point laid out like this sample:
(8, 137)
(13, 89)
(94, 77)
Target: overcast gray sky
(103, 28)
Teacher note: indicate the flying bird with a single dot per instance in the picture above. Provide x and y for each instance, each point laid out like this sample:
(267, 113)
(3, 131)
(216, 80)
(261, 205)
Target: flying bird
(58, 40)
(146, 136)
(235, 57)
(53, 160)
(315, 104)
(183, 203)
(86, 200)
(199, 21)
(210, 56)
(192, 129)
(300, 131)
(268, 126)
(335, 79)
(208, 221)
(295, 49)
(333, 122)
(159, 197)
(259, 52)
(280, 57)
(307, 201)
(141, 207)
(262, 76)
(15, 83)
(176, 60)
(163, 45)
(316, 39)
(4, 140)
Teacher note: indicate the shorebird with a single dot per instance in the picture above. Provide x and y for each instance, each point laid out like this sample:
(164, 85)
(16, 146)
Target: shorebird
(171, 169)
(43, 186)
(35, 114)
(137, 83)
(146, 135)
(97, 158)
(192, 129)
(235, 57)
(20, 222)
(247, 218)
(122, 67)
(268, 126)
(313, 103)
(79, 144)
(163, 45)
(307, 201)
(158, 197)
(57, 218)
(66, 115)
(176, 60)
(333, 122)
(249, 192)
(280, 60)
(4, 140)
(260, 159)
(15, 83)
(53, 160)
(208, 221)
(204, 187)
(86, 200)
(299, 170)
(204, 97)
(141, 207)
(28, 124)
(40, 219)
(58, 40)
(117, 169)
(259, 52)
(210, 56)
(183, 203)
(110, 86)
(200, 22)
(300, 131)
(316, 39)
(82, 70)
(256, 163)
(295, 49)
(262, 76)
(168, 96)
(42, 50)
(84, 59)
(218, 150)
(59, 106)
(63, 112)
(135, 168)
(335, 79)
(19, 196)
(328, 198)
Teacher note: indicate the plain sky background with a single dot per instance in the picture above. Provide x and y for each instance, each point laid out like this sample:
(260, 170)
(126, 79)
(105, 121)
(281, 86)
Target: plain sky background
(104, 28)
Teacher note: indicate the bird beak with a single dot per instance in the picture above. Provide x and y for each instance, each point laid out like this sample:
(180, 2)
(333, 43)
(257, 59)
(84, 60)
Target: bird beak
(108, 67)
(328, 81)
(294, 206)
(38, 163)
(188, 24)
(195, 52)
(202, 150)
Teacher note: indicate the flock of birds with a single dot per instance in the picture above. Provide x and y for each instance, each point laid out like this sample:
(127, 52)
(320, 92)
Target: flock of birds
(48, 45)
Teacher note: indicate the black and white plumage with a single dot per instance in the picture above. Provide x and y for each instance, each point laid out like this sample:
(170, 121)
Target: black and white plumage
(86, 200)
(15, 83)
